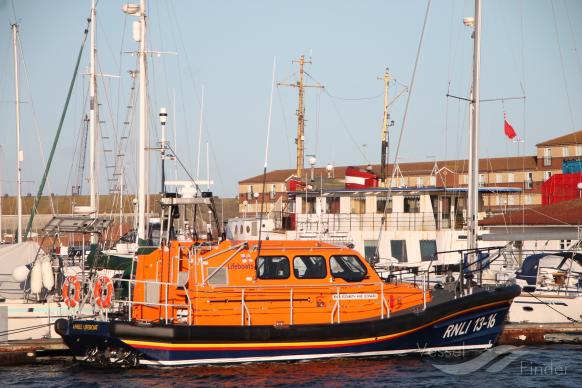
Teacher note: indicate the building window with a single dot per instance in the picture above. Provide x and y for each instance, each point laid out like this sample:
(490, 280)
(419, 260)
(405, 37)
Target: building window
(510, 178)
(528, 199)
(398, 250)
(510, 200)
(432, 180)
(272, 267)
(464, 179)
(427, 249)
(273, 192)
(358, 205)
(332, 205)
(565, 152)
(547, 175)
(309, 267)
(528, 182)
(381, 205)
(419, 181)
(481, 179)
(547, 156)
(412, 204)
(578, 150)
(498, 178)
(250, 192)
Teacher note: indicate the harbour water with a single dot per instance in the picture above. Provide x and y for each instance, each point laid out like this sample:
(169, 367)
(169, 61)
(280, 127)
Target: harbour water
(551, 366)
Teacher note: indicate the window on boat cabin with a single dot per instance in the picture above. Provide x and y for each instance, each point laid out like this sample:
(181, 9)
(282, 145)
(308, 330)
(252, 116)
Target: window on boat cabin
(381, 204)
(272, 267)
(309, 205)
(332, 205)
(309, 267)
(412, 204)
(428, 249)
(565, 244)
(398, 250)
(370, 248)
(358, 205)
(347, 267)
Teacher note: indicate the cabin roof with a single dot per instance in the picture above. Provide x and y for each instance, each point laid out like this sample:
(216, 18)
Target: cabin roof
(564, 213)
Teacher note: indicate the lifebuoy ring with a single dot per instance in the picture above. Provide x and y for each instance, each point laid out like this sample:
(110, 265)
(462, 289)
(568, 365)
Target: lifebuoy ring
(103, 292)
(71, 298)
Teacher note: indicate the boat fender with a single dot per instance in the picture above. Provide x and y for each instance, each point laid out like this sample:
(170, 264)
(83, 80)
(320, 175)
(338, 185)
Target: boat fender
(20, 273)
(71, 291)
(103, 292)
(48, 278)
(36, 278)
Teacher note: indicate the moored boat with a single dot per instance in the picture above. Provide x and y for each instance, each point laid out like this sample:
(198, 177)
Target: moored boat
(278, 300)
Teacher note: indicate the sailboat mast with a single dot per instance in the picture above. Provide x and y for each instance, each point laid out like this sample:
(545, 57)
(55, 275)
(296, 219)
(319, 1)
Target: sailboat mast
(93, 105)
(19, 153)
(385, 123)
(142, 178)
(473, 189)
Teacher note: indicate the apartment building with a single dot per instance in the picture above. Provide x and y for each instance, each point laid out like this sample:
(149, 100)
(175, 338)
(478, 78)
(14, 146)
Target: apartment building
(526, 173)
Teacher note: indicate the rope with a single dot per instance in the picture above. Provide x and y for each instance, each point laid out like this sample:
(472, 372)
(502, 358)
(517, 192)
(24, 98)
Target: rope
(54, 146)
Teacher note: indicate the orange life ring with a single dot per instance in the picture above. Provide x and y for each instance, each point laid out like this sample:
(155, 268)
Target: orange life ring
(103, 292)
(71, 299)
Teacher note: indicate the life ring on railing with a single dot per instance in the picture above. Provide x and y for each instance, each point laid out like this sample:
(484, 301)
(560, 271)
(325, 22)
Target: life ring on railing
(71, 298)
(103, 292)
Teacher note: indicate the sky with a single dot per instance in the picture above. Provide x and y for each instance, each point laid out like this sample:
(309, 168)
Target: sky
(227, 48)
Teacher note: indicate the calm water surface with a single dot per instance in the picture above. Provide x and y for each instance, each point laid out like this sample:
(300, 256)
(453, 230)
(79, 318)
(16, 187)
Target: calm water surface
(555, 366)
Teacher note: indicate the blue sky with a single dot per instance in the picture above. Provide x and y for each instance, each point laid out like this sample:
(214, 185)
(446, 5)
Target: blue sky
(229, 46)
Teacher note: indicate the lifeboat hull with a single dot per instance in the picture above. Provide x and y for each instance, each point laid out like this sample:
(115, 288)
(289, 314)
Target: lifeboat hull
(468, 323)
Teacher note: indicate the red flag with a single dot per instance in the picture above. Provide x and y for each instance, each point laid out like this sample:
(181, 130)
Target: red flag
(508, 129)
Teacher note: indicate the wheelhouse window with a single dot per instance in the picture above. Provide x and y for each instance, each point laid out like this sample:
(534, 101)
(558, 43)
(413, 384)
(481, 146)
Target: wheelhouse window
(358, 205)
(272, 267)
(428, 249)
(412, 204)
(309, 267)
(332, 205)
(349, 268)
(381, 205)
(398, 250)
(309, 205)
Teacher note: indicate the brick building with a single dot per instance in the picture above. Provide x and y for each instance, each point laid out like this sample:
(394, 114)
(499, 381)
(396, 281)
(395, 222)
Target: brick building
(527, 173)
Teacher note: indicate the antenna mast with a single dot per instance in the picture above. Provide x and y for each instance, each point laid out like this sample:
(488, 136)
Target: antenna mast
(300, 140)
(385, 124)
